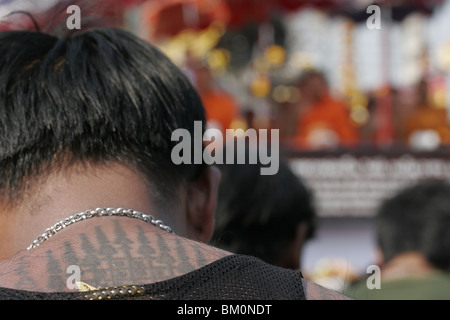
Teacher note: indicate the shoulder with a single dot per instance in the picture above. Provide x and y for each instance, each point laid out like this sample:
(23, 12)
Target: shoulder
(273, 282)
(314, 291)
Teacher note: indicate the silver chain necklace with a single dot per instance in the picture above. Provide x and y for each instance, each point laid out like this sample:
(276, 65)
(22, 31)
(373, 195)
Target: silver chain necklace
(99, 212)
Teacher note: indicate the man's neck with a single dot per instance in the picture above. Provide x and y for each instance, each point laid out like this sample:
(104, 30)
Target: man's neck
(63, 194)
(406, 265)
(108, 251)
(105, 252)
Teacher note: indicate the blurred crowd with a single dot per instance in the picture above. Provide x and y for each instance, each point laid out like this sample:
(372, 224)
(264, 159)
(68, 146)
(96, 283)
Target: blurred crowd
(260, 66)
(274, 217)
(318, 120)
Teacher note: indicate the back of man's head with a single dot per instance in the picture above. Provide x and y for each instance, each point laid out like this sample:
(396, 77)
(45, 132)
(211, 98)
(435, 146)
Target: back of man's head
(416, 220)
(259, 214)
(95, 96)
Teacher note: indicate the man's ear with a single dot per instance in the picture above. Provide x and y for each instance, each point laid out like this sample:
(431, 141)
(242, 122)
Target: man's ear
(201, 204)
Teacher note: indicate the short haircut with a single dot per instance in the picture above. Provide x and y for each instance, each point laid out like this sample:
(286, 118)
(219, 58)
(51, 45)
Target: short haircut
(258, 214)
(96, 96)
(417, 219)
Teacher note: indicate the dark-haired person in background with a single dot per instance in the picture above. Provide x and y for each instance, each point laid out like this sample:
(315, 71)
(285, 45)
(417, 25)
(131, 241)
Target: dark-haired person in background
(86, 123)
(413, 234)
(266, 216)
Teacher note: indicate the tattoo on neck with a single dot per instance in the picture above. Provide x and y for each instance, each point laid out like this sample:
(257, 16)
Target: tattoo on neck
(114, 258)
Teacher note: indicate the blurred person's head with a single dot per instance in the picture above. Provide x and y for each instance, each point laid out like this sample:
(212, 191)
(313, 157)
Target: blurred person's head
(416, 221)
(267, 216)
(313, 86)
(96, 103)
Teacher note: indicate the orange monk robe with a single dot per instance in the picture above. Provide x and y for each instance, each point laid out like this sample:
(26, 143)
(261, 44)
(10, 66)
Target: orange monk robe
(428, 118)
(221, 109)
(328, 115)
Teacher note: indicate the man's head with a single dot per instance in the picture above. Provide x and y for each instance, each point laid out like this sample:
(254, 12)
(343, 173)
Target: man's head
(267, 216)
(313, 86)
(93, 98)
(416, 220)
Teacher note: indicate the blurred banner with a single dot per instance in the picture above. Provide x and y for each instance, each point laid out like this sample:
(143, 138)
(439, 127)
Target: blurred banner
(351, 184)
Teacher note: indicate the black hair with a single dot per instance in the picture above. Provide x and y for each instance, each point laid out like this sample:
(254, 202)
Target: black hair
(258, 214)
(417, 219)
(96, 96)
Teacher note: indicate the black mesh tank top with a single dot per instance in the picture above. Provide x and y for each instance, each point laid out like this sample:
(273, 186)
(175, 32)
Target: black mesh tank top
(234, 277)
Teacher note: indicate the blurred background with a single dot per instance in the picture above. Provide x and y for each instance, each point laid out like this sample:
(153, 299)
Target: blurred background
(361, 97)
